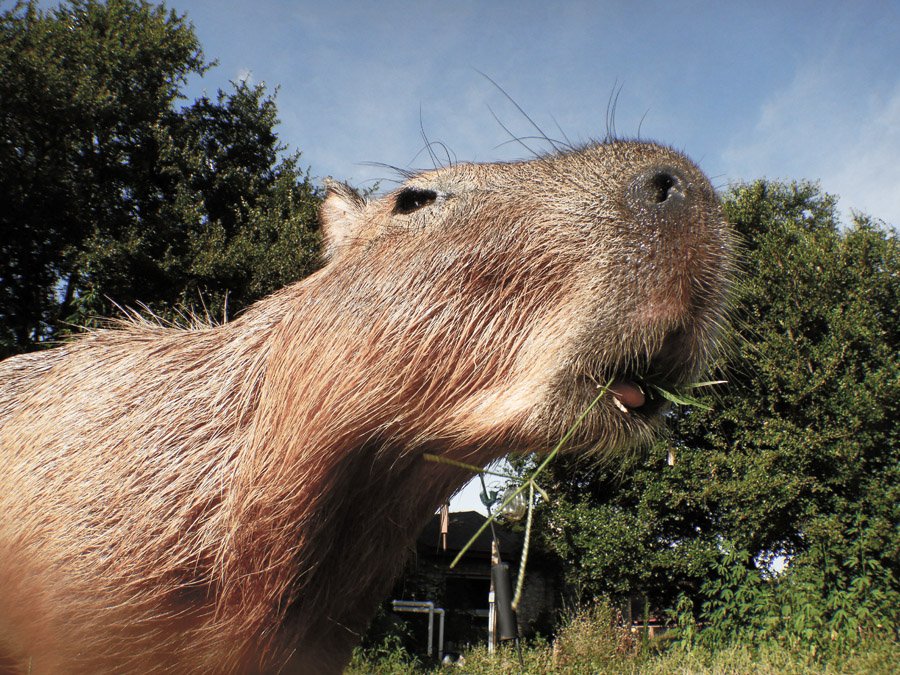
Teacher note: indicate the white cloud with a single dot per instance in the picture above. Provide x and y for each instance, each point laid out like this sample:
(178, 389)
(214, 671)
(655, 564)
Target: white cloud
(868, 178)
(827, 125)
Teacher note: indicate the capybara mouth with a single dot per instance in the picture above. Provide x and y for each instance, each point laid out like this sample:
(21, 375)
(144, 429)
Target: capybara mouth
(633, 406)
(637, 389)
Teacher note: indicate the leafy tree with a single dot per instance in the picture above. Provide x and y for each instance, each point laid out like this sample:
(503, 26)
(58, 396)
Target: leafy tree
(800, 456)
(112, 195)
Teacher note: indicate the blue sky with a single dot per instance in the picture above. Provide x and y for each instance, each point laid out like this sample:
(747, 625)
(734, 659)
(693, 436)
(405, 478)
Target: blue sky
(748, 89)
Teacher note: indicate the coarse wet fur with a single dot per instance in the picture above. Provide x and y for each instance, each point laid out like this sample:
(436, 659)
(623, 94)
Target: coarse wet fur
(238, 498)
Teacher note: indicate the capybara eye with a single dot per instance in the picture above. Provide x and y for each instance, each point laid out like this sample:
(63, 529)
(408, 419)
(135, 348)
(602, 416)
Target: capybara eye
(410, 199)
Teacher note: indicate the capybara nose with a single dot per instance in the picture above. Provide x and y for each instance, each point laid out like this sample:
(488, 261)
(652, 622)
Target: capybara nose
(663, 191)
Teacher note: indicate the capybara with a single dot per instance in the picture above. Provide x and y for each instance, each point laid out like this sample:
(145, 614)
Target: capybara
(238, 498)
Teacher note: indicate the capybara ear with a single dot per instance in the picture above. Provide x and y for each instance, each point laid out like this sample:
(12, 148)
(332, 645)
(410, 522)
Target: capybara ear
(339, 216)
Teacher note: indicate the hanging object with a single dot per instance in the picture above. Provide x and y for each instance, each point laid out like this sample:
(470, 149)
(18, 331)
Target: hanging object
(517, 507)
(445, 524)
(487, 497)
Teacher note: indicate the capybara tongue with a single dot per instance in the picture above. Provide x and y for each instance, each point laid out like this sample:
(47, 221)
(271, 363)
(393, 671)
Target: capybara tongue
(628, 394)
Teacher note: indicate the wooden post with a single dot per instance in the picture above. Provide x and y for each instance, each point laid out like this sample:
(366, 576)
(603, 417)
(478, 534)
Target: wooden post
(445, 524)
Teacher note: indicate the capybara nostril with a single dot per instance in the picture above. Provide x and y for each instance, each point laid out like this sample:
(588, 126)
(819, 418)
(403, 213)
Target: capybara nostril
(660, 189)
(662, 186)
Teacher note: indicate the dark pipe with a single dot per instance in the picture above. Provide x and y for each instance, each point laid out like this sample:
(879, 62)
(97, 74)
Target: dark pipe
(507, 628)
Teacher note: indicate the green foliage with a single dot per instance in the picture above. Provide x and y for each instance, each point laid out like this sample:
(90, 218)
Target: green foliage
(835, 601)
(799, 456)
(388, 657)
(592, 641)
(112, 195)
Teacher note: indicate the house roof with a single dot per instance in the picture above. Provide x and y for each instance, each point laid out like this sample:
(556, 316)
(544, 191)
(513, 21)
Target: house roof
(464, 524)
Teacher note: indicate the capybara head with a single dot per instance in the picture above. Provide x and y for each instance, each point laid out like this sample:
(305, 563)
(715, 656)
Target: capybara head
(513, 292)
(237, 498)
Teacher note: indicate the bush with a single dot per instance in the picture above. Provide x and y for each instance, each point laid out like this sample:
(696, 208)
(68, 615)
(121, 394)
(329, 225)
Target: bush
(828, 603)
(389, 657)
(593, 638)
(592, 641)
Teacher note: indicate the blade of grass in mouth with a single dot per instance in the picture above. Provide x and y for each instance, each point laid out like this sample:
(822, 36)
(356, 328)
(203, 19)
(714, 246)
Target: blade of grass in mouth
(684, 399)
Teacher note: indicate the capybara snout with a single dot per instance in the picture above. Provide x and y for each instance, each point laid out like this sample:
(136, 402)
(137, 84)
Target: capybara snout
(238, 498)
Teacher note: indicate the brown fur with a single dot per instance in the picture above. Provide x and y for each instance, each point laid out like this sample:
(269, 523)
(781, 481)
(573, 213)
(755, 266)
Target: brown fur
(238, 498)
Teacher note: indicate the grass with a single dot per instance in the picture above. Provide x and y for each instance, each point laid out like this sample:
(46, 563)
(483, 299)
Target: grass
(592, 642)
